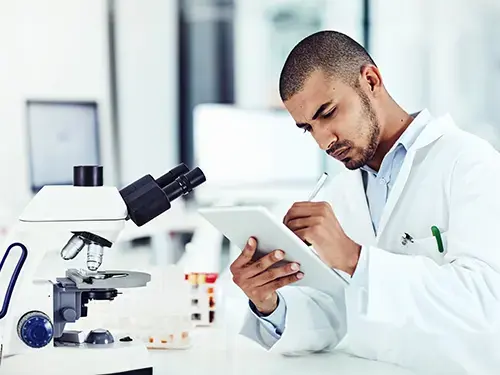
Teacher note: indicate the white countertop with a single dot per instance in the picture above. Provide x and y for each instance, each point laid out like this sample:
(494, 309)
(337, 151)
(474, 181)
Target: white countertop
(214, 352)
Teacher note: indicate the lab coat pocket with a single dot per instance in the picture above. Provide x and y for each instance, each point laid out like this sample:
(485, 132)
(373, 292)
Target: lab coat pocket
(428, 246)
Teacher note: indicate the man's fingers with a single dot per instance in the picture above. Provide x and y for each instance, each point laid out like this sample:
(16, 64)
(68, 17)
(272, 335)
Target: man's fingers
(306, 209)
(309, 204)
(305, 222)
(263, 264)
(281, 282)
(296, 212)
(275, 273)
(246, 255)
(304, 235)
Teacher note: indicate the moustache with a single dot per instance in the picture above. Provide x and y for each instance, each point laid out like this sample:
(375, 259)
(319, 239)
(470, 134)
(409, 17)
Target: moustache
(338, 146)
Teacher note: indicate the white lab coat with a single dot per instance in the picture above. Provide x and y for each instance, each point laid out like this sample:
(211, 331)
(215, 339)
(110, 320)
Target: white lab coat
(409, 304)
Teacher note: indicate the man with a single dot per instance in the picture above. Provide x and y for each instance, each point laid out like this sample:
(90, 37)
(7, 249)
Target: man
(419, 300)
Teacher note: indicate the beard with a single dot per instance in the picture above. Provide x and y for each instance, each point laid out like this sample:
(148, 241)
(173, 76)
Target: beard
(364, 155)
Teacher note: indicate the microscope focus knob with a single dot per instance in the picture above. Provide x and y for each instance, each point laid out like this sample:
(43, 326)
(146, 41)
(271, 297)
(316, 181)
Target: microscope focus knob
(69, 315)
(35, 329)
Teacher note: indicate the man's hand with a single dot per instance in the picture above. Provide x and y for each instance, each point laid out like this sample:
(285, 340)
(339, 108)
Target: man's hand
(258, 281)
(316, 223)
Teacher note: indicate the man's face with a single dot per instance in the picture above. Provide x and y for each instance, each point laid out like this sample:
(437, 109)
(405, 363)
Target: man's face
(339, 117)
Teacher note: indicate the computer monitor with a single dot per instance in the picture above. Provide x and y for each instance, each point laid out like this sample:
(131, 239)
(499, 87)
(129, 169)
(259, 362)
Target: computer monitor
(251, 155)
(61, 134)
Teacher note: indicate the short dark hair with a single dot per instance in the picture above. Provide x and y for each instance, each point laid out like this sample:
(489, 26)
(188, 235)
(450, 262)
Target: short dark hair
(334, 53)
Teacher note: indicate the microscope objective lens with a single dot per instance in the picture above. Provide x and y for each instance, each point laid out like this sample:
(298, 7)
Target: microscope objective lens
(72, 248)
(94, 256)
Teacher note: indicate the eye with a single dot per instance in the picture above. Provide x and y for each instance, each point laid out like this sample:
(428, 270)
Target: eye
(330, 114)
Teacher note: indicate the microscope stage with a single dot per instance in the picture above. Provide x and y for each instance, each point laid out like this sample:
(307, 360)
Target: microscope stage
(85, 280)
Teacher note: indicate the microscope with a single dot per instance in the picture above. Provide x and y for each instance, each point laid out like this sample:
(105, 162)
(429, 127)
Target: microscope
(84, 218)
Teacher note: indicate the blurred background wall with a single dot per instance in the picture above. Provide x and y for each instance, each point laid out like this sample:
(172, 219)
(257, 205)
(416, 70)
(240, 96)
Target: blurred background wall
(146, 66)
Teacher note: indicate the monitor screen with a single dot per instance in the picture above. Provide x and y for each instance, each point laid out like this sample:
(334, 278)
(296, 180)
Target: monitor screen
(248, 151)
(61, 135)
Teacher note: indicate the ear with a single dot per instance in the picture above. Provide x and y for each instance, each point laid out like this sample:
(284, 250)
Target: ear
(371, 78)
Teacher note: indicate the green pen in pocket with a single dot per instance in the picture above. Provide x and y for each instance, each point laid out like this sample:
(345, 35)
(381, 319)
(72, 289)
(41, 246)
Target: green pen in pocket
(437, 234)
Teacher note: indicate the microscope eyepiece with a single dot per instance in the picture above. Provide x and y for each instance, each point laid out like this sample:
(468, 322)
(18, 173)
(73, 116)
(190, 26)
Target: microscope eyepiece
(196, 177)
(170, 176)
(184, 184)
(148, 198)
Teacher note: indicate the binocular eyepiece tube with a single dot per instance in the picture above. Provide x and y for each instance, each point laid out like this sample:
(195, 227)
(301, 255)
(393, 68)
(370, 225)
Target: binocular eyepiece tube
(148, 198)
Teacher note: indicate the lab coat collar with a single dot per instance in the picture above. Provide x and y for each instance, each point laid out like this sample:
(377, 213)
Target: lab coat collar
(356, 202)
(410, 135)
(407, 139)
(434, 130)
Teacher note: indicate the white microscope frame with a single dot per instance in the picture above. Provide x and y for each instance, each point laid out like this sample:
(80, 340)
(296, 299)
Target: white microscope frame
(46, 225)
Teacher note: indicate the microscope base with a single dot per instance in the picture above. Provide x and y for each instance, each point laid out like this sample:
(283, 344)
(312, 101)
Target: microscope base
(144, 371)
(118, 358)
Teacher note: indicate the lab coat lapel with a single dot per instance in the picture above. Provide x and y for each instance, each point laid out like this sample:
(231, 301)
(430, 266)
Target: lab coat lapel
(432, 131)
(360, 228)
(397, 189)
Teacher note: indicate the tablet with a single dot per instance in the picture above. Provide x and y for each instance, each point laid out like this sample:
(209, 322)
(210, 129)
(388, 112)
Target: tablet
(239, 223)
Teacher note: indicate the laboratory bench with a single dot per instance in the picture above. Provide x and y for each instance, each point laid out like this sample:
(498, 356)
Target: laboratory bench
(216, 352)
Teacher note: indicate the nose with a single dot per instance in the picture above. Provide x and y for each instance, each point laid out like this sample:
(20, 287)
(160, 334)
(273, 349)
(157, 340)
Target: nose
(325, 140)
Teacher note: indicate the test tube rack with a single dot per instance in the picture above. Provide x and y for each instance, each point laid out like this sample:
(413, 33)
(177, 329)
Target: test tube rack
(202, 298)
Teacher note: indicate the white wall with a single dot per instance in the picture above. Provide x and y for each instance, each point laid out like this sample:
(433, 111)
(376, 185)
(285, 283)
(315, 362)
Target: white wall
(146, 35)
(51, 49)
(443, 55)
(399, 46)
(256, 74)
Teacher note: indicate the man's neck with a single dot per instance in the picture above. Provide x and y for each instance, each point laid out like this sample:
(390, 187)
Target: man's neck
(392, 126)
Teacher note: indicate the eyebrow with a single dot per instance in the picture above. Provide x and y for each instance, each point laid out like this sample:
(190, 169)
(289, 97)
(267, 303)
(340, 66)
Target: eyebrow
(318, 112)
